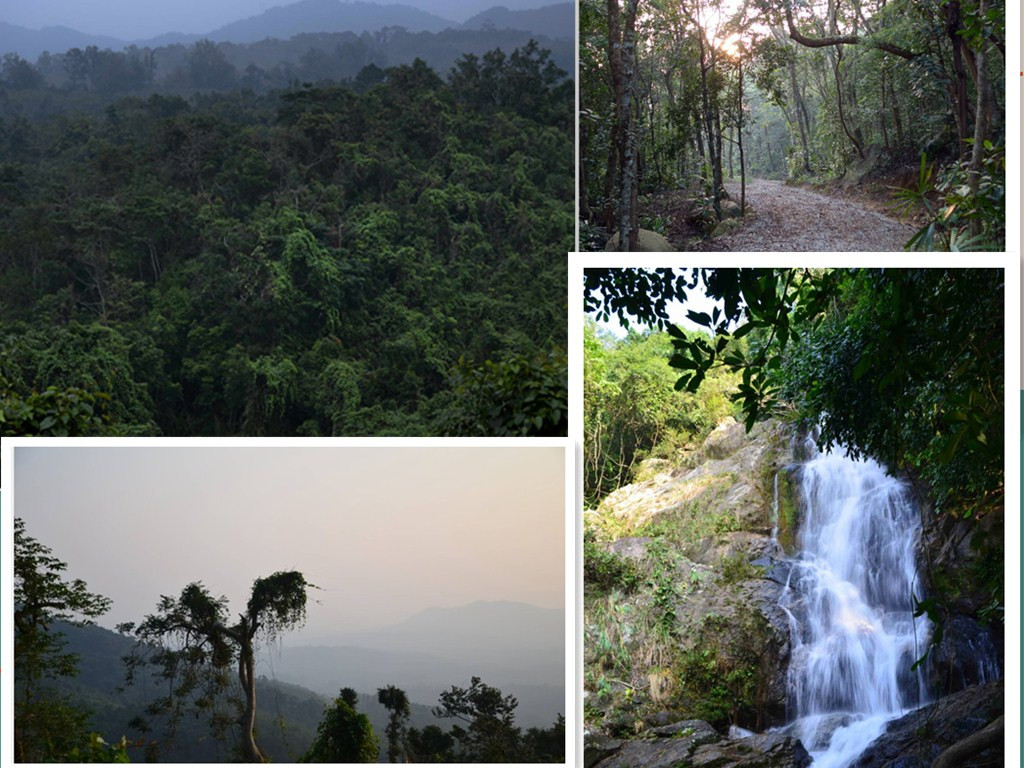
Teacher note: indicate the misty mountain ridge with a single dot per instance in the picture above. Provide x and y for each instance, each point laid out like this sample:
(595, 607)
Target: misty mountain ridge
(516, 647)
(30, 43)
(434, 659)
(317, 16)
(549, 18)
(327, 669)
(328, 16)
(457, 631)
(287, 714)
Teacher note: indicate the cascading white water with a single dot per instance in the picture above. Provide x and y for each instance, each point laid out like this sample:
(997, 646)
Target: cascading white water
(850, 600)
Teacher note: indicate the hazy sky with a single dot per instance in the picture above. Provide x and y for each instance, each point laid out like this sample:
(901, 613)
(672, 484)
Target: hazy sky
(142, 19)
(132, 19)
(385, 532)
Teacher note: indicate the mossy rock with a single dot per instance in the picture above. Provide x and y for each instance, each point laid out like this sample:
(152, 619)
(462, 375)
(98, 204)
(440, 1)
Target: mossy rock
(731, 210)
(726, 226)
(725, 439)
(789, 508)
(646, 242)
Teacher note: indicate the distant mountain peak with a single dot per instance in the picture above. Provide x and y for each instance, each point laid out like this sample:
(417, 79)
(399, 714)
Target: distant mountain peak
(285, 21)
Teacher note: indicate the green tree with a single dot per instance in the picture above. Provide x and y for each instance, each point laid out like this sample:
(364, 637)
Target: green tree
(208, 67)
(344, 735)
(18, 74)
(397, 704)
(193, 647)
(515, 395)
(545, 745)
(490, 735)
(632, 410)
(900, 364)
(46, 726)
(430, 744)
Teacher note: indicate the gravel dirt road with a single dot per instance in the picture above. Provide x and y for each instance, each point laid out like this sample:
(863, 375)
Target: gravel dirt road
(782, 218)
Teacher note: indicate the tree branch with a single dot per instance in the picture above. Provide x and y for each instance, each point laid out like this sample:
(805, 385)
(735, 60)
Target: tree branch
(965, 749)
(824, 42)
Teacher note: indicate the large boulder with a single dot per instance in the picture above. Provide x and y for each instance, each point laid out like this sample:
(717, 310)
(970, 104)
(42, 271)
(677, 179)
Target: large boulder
(726, 227)
(725, 439)
(597, 747)
(695, 744)
(917, 739)
(731, 209)
(770, 751)
(862, 166)
(730, 481)
(646, 241)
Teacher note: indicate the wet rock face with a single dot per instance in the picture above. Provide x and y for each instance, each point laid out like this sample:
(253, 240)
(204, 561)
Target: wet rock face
(695, 744)
(914, 741)
(966, 656)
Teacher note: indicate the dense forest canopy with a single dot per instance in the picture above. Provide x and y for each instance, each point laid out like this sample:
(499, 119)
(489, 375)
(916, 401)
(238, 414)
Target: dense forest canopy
(684, 94)
(94, 74)
(904, 365)
(632, 410)
(385, 256)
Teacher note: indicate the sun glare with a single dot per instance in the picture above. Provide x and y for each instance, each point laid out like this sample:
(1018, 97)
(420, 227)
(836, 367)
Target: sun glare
(716, 26)
(731, 45)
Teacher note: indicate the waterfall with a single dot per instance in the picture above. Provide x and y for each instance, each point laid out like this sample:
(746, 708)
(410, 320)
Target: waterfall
(850, 601)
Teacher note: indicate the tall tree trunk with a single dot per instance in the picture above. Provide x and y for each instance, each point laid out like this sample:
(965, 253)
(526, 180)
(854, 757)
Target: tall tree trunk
(896, 119)
(837, 62)
(953, 27)
(881, 116)
(731, 141)
(247, 677)
(654, 154)
(709, 128)
(698, 136)
(584, 152)
(739, 140)
(980, 122)
(768, 144)
(719, 181)
(614, 140)
(628, 137)
(801, 114)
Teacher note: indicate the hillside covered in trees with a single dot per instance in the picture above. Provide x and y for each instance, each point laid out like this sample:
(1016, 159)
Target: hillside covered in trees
(95, 73)
(691, 111)
(377, 253)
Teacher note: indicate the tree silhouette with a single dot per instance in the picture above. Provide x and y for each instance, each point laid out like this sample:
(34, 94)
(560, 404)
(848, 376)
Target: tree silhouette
(344, 735)
(192, 646)
(46, 727)
(491, 735)
(397, 704)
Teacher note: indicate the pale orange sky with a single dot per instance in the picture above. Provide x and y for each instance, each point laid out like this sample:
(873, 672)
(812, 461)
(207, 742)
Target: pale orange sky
(386, 532)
